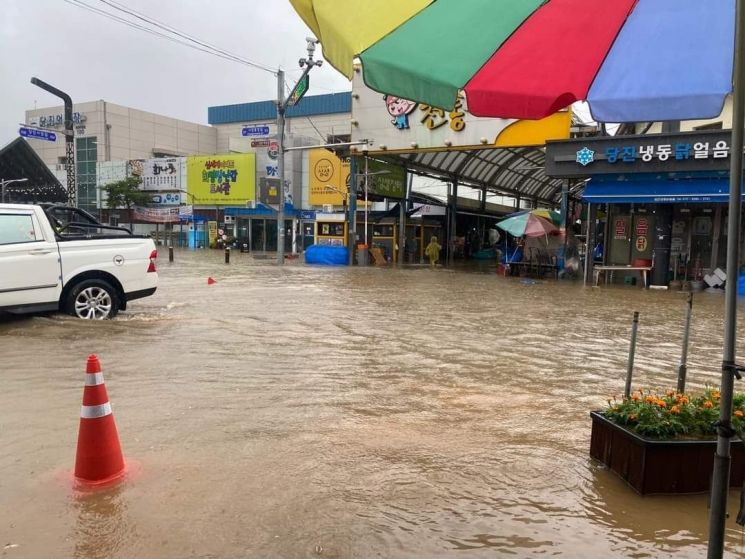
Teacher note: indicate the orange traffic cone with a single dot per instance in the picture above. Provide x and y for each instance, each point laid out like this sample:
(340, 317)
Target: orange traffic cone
(99, 459)
(210, 280)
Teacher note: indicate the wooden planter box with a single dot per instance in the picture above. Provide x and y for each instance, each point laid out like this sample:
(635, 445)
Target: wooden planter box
(654, 467)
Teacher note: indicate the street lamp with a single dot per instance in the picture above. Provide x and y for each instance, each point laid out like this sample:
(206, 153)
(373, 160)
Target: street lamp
(301, 87)
(5, 182)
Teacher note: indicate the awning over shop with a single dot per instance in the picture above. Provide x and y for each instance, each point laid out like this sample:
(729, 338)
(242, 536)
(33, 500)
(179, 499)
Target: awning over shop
(509, 171)
(260, 210)
(657, 191)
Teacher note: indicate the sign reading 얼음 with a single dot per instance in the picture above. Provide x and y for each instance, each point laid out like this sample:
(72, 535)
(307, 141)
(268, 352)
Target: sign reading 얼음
(221, 180)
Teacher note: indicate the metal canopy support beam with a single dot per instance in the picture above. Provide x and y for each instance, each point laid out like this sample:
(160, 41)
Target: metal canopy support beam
(501, 175)
(720, 477)
(453, 222)
(352, 231)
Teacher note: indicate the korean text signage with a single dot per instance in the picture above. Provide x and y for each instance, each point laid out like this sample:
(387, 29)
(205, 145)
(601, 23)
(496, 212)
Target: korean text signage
(157, 174)
(329, 178)
(642, 230)
(392, 123)
(620, 229)
(157, 215)
(37, 134)
(221, 179)
(212, 232)
(255, 131)
(166, 199)
(58, 121)
(388, 180)
(686, 151)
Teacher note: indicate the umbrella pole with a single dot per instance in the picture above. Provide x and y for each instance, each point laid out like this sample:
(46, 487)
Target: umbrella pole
(720, 478)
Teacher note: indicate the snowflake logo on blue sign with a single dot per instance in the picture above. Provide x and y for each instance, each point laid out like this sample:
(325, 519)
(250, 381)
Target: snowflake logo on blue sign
(585, 156)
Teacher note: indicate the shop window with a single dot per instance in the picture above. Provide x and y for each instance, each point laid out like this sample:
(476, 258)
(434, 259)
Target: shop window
(383, 231)
(331, 229)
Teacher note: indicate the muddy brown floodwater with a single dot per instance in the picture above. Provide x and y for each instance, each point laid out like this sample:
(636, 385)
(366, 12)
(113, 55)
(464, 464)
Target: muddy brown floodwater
(310, 412)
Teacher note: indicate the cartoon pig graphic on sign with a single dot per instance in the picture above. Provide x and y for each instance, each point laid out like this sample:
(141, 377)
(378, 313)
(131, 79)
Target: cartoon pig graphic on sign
(399, 109)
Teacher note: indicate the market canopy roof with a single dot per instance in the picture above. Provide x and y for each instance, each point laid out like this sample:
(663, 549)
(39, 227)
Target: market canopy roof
(508, 171)
(632, 60)
(18, 160)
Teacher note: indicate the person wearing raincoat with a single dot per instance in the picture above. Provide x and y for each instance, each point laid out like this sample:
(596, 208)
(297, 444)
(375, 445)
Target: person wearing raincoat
(433, 251)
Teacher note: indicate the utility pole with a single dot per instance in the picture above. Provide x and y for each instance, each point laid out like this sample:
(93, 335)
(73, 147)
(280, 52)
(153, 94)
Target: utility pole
(72, 191)
(300, 88)
(730, 370)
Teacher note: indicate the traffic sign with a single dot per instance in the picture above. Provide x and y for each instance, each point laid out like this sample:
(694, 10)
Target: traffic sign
(255, 131)
(37, 134)
(300, 89)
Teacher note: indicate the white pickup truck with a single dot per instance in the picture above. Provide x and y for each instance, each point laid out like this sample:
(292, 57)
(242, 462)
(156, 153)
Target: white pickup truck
(60, 258)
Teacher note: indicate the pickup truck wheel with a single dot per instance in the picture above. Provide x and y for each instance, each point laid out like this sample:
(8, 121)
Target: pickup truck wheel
(93, 300)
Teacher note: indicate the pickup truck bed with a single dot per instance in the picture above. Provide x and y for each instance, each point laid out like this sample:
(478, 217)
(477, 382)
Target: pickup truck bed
(61, 258)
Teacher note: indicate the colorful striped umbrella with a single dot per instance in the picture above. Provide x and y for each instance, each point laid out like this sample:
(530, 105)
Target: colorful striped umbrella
(528, 225)
(549, 215)
(632, 60)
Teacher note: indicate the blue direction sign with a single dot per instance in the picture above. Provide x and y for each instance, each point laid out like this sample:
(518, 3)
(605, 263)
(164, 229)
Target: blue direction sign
(38, 134)
(255, 131)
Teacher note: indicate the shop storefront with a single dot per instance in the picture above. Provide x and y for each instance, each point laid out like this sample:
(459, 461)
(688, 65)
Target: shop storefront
(664, 198)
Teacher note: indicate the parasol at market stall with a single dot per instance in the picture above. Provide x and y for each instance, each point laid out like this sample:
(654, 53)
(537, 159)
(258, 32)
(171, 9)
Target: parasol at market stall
(631, 60)
(549, 215)
(526, 224)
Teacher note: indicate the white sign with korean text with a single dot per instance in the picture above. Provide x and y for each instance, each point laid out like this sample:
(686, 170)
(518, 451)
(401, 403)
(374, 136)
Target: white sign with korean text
(158, 174)
(400, 124)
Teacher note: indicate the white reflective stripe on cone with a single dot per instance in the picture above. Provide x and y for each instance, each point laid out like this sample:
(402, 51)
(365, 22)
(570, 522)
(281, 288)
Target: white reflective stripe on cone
(92, 412)
(93, 379)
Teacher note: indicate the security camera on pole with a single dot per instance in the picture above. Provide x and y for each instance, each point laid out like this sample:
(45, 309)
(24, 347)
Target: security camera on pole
(300, 89)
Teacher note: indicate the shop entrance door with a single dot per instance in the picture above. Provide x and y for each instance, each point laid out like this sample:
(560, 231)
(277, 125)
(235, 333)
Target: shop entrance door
(620, 239)
(271, 235)
(258, 240)
(308, 234)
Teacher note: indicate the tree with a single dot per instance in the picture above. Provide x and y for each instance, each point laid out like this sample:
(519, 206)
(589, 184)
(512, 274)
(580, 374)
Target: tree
(125, 194)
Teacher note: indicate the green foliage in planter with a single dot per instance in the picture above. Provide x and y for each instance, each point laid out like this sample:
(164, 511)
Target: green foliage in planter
(673, 415)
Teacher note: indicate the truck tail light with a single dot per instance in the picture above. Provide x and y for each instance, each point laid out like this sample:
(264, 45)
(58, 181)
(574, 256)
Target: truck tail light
(153, 256)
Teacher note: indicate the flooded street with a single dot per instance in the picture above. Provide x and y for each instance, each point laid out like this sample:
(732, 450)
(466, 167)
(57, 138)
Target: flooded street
(311, 412)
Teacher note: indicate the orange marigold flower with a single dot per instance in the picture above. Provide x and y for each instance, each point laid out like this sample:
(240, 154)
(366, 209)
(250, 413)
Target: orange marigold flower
(670, 393)
(650, 399)
(635, 397)
(708, 404)
(675, 409)
(739, 413)
(683, 399)
(661, 403)
(715, 394)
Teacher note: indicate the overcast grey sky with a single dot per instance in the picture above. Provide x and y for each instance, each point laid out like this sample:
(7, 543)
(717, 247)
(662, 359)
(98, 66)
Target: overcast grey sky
(91, 57)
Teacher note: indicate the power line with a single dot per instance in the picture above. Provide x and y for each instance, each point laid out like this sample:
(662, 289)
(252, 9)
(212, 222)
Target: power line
(182, 34)
(114, 17)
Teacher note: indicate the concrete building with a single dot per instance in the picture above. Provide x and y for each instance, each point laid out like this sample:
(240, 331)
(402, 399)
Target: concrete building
(322, 117)
(108, 132)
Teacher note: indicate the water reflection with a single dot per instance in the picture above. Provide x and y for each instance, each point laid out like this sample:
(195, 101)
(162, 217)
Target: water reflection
(102, 525)
(359, 412)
